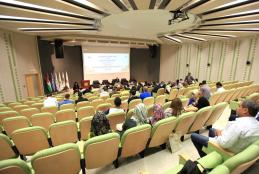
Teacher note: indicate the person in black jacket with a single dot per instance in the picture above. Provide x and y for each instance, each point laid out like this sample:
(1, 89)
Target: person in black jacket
(76, 87)
(80, 98)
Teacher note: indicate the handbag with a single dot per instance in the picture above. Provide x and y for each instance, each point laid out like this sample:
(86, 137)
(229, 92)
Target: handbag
(191, 167)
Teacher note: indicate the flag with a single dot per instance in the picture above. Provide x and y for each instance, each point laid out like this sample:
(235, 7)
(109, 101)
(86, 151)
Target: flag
(67, 81)
(48, 83)
(57, 82)
(60, 82)
(53, 83)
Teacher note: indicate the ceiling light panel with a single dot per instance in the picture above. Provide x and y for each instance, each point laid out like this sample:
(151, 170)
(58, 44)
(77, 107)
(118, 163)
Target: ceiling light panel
(62, 5)
(231, 11)
(236, 33)
(176, 4)
(38, 8)
(204, 35)
(39, 21)
(191, 37)
(194, 4)
(173, 38)
(235, 19)
(208, 5)
(10, 11)
(255, 25)
(56, 29)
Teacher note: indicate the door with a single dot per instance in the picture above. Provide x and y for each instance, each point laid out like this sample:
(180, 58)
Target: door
(33, 85)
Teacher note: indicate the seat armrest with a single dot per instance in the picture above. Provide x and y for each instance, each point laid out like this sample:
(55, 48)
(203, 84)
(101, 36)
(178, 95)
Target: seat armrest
(213, 146)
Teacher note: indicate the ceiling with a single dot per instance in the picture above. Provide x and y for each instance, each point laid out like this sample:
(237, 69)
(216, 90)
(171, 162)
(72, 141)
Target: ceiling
(134, 22)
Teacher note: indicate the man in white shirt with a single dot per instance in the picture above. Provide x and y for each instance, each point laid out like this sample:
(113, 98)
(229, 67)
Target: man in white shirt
(50, 101)
(117, 103)
(237, 135)
(219, 87)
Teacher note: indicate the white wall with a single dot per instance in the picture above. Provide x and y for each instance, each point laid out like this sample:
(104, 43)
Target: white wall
(18, 56)
(227, 59)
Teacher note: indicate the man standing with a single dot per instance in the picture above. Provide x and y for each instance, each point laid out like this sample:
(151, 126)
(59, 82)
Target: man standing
(189, 78)
(237, 135)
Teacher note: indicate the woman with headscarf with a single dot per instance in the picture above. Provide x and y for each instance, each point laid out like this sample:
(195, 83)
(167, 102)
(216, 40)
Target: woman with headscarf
(100, 124)
(158, 114)
(140, 114)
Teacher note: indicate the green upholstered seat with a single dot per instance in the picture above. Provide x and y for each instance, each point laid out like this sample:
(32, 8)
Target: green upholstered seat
(14, 166)
(6, 151)
(63, 159)
(101, 150)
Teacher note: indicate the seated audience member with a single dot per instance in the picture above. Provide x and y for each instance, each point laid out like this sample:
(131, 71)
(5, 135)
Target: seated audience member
(76, 87)
(158, 114)
(201, 103)
(145, 93)
(117, 103)
(66, 100)
(50, 101)
(175, 109)
(205, 90)
(80, 98)
(129, 123)
(140, 114)
(237, 135)
(219, 87)
(168, 87)
(132, 95)
(104, 92)
(192, 99)
(178, 84)
(100, 124)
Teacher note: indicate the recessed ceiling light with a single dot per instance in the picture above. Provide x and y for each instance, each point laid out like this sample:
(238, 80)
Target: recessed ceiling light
(190, 37)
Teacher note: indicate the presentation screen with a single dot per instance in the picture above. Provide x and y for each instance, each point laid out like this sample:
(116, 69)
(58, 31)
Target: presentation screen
(105, 66)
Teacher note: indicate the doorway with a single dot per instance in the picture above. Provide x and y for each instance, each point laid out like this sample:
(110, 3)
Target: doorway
(33, 85)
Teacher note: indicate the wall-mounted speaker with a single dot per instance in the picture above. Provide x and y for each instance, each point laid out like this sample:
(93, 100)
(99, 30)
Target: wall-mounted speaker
(187, 65)
(152, 50)
(208, 64)
(59, 52)
(248, 62)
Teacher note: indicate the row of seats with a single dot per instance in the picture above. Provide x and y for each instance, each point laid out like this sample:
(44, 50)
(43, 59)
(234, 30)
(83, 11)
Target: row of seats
(32, 139)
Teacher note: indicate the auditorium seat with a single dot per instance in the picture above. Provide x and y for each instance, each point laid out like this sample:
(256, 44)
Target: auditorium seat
(150, 111)
(129, 145)
(44, 120)
(29, 103)
(2, 105)
(115, 95)
(7, 114)
(63, 159)
(14, 166)
(222, 96)
(124, 98)
(67, 106)
(50, 109)
(13, 104)
(30, 140)
(184, 122)
(97, 102)
(166, 105)
(214, 98)
(85, 127)
(14, 123)
(103, 107)
(161, 131)
(149, 101)
(93, 98)
(104, 97)
(133, 103)
(82, 104)
(29, 112)
(173, 94)
(125, 105)
(184, 101)
(86, 111)
(160, 100)
(7, 151)
(217, 111)
(130, 113)
(37, 105)
(66, 114)
(18, 108)
(201, 117)
(111, 101)
(2, 109)
(181, 92)
(160, 91)
(101, 150)
(116, 118)
(63, 132)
